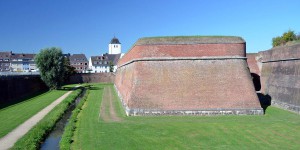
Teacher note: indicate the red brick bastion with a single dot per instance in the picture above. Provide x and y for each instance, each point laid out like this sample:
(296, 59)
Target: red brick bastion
(186, 76)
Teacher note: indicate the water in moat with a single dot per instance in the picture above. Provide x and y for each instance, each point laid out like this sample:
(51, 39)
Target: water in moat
(51, 142)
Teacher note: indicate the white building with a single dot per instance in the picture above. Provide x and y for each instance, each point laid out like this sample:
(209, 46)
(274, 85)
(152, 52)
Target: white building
(102, 63)
(114, 47)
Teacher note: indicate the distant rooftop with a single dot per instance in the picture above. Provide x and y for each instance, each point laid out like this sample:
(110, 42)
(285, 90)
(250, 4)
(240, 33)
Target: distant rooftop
(173, 40)
(114, 58)
(115, 41)
(78, 57)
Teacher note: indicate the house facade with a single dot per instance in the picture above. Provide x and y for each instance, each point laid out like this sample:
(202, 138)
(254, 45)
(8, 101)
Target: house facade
(22, 62)
(5, 61)
(103, 62)
(79, 62)
(17, 62)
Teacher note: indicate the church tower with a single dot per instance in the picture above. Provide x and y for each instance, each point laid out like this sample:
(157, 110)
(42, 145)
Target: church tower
(114, 46)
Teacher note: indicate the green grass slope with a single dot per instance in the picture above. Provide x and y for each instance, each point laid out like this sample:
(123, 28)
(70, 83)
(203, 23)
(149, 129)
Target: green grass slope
(14, 115)
(278, 129)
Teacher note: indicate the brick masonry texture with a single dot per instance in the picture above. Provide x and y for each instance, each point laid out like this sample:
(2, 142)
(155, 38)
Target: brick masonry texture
(92, 78)
(252, 63)
(280, 76)
(255, 69)
(15, 87)
(200, 86)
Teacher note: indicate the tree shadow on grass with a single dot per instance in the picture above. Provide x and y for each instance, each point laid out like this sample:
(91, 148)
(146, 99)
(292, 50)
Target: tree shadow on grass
(22, 99)
(95, 88)
(66, 88)
(90, 87)
(265, 100)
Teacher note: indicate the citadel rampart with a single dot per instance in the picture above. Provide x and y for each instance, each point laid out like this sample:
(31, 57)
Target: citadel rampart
(280, 76)
(186, 76)
(92, 78)
(14, 87)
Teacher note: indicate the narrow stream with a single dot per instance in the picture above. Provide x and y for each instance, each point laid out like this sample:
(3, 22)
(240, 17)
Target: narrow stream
(51, 142)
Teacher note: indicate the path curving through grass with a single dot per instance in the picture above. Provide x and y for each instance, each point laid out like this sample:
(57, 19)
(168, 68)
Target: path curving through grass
(12, 137)
(14, 115)
(108, 110)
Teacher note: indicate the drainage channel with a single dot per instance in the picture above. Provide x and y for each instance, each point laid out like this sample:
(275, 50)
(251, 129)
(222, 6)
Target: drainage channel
(51, 142)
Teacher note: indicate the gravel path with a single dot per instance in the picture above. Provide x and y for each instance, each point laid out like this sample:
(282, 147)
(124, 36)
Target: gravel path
(11, 138)
(107, 109)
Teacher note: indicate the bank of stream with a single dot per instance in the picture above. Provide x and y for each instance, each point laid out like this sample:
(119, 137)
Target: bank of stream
(51, 142)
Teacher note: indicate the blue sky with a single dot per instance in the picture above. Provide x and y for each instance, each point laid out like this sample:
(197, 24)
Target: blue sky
(79, 26)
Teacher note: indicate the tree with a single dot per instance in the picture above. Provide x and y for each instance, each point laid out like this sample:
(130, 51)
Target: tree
(69, 70)
(276, 41)
(111, 67)
(289, 36)
(50, 62)
(286, 37)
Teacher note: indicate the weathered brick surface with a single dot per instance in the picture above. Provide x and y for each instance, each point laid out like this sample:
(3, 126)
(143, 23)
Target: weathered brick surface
(196, 50)
(255, 69)
(252, 63)
(15, 87)
(92, 78)
(196, 86)
(280, 76)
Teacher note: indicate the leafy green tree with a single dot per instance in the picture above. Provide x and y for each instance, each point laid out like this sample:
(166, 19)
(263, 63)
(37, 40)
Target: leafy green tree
(276, 41)
(111, 67)
(69, 70)
(50, 62)
(286, 37)
(289, 36)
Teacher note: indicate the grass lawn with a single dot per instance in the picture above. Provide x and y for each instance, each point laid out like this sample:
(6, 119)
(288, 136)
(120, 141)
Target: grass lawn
(16, 114)
(278, 129)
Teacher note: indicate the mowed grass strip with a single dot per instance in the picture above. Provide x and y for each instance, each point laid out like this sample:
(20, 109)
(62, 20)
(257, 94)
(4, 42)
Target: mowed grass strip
(278, 129)
(13, 116)
(33, 138)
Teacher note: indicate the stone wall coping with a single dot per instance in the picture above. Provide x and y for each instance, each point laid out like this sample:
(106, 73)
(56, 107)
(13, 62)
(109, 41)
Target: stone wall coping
(286, 59)
(178, 40)
(179, 58)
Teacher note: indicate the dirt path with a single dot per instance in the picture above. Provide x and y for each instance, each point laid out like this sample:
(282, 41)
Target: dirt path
(11, 138)
(107, 109)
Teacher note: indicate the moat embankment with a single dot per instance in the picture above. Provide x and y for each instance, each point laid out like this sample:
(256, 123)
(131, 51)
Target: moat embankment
(51, 142)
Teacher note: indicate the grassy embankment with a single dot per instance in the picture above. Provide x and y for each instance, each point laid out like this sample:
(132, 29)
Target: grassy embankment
(277, 129)
(14, 115)
(66, 139)
(32, 139)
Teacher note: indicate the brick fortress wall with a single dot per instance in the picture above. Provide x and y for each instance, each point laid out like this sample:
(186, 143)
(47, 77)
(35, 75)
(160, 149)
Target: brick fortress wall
(255, 69)
(280, 76)
(15, 87)
(92, 78)
(186, 76)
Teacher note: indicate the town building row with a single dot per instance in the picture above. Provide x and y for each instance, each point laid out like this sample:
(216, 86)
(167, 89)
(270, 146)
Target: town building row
(19, 62)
